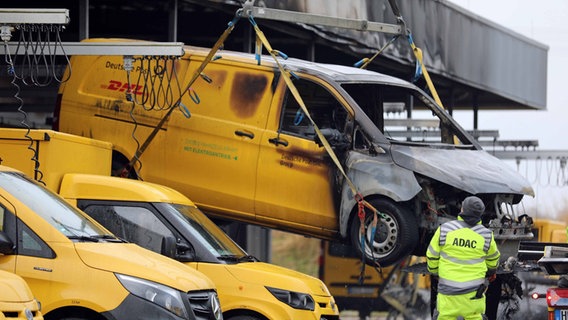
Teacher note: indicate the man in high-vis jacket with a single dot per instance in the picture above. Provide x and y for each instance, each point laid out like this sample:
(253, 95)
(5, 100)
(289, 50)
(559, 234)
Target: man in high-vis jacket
(463, 256)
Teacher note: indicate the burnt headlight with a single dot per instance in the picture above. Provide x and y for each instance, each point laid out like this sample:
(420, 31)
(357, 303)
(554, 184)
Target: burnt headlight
(296, 300)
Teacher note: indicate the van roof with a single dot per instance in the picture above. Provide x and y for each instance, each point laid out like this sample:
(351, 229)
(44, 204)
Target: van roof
(338, 73)
(97, 187)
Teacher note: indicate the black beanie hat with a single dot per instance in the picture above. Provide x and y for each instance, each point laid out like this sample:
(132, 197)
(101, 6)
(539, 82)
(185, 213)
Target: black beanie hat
(472, 208)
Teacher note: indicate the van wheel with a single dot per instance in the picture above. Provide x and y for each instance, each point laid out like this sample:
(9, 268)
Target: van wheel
(395, 237)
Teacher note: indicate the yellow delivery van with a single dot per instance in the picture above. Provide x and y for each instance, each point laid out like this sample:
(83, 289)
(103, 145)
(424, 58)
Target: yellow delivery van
(79, 270)
(145, 213)
(16, 299)
(240, 146)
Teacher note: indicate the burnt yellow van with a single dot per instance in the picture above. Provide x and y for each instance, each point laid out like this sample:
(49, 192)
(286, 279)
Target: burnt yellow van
(239, 145)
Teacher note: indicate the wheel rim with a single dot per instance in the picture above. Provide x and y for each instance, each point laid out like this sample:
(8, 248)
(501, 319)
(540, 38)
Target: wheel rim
(385, 238)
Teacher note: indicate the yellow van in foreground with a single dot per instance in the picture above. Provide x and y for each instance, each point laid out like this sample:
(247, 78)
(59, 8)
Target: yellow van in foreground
(240, 146)
(78, 270)
(146, 214)
(16, 299)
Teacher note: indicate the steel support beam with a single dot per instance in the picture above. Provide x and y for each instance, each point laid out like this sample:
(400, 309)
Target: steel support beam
(321, 20)
(105, 48)
(34, 16)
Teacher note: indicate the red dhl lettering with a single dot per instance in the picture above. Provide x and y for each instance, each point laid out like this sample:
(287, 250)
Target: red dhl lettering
(123, 87)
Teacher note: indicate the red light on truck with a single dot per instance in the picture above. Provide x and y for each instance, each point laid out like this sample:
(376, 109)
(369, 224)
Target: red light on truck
(536, 295)
(557, 297)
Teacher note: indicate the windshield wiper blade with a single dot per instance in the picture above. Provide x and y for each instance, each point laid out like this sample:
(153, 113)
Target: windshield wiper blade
(84, 238)
(109, 238)
(229, 257)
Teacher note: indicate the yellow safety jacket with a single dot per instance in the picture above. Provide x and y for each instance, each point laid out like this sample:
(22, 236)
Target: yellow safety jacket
(461, 255)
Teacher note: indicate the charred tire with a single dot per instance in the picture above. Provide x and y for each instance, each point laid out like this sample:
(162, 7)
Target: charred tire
(395, 237)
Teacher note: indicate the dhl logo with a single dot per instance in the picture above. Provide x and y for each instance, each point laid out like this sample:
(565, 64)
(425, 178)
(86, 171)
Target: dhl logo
(123, 87)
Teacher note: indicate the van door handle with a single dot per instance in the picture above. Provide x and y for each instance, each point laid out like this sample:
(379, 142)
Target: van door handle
(240, 133)
(277, 141)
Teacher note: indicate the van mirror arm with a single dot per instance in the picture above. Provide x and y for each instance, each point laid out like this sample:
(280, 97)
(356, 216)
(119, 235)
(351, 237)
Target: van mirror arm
(184, 253)
(6, 245)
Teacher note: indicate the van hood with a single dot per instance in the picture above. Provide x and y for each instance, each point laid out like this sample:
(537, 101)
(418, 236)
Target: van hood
(14, 288)
(133, 260)
(280, 277)
(474, 171)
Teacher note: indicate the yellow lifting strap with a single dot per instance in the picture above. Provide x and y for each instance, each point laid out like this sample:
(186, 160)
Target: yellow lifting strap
(287, 78)
(417, 51)
(419, 57)
(194, 77)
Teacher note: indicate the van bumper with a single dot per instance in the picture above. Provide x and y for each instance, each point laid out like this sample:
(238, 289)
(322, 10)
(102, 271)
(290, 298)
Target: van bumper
(135, 308)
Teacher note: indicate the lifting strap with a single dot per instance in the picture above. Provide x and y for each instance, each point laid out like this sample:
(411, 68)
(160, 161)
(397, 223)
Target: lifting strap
(361, 202)
(417, 52)
(210, 56)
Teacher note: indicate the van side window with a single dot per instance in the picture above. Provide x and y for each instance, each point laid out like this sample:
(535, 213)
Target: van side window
(132, 223)
(324, 109)
(28, 243)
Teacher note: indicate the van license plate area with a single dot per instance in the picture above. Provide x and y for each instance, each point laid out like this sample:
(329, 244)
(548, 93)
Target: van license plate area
(561, 314)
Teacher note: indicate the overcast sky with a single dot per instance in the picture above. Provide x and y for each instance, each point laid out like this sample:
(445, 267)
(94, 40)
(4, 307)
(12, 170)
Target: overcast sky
(545, 22)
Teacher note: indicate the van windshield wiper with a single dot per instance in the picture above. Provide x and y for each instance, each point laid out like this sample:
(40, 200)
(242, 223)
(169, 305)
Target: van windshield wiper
(96, 238)
(109, 238)
(238, 259)
(84, 238)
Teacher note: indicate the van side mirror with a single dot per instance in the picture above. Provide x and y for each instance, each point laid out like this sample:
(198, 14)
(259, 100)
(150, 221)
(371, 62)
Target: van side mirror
(6, 245)
(185, 253)
(178, 251)
(168, 248)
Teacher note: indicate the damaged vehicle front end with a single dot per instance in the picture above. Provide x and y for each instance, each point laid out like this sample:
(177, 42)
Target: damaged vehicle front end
(415, 164)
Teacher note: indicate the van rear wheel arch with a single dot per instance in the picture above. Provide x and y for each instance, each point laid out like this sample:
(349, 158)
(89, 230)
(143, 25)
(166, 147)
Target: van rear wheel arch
(396, 234)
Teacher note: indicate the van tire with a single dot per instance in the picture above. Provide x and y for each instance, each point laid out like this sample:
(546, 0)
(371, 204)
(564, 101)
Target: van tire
(397, 234)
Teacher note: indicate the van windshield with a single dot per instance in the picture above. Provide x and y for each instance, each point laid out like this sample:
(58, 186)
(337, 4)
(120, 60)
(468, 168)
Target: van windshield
(204, 230)
(61, 215)
(405, 115)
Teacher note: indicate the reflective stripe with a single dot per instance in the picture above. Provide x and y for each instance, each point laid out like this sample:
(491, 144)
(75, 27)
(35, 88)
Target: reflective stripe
(433, 251)
(460, 261)
(496, 254)
(485, 233)
(450, 287)
(459, 224)
(448, 227)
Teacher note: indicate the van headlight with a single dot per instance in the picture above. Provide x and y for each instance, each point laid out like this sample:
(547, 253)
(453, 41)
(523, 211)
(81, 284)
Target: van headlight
(296, 300)
(166, 297)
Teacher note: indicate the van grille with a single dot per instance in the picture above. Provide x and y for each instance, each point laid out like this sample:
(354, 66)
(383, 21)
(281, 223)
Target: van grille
(204, 304)
(18, 314)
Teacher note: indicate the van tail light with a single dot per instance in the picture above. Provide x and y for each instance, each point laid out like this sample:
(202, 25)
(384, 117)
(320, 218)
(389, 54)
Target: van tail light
(557, 297)
(56, 113)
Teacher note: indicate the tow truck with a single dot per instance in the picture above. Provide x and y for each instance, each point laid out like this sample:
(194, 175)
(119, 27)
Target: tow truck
(554, 262)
